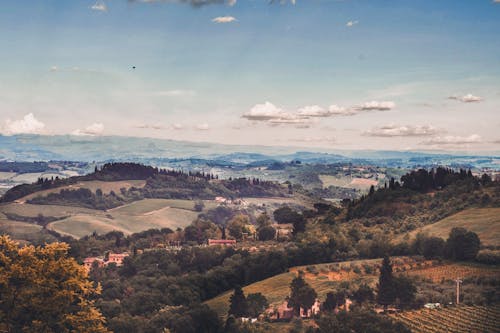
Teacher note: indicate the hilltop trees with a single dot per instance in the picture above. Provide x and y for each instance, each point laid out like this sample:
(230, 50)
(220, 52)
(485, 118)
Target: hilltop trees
(43, 290)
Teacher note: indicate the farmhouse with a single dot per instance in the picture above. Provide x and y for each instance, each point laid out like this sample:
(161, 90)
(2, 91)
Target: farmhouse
(87, 262)
(113, 258)
(116, 258)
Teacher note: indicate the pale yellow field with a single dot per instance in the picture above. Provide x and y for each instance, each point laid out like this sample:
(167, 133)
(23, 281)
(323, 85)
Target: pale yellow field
(347, 182)
(135, 217)
(483, 221)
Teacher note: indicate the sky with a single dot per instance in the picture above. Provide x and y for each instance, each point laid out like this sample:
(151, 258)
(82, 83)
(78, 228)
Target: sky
(352, 74)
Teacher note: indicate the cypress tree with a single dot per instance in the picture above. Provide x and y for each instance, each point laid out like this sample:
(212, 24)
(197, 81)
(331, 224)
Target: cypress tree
(386, 293)
(238, 303)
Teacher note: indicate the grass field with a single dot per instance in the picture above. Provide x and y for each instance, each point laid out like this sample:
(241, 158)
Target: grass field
(24, 232)
(78, 222)
(483, 221)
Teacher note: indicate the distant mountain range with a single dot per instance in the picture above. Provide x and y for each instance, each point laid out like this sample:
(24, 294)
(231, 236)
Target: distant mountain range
(164, 152)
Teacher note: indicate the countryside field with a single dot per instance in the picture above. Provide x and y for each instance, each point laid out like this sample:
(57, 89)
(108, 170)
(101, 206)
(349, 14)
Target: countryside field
(457, 319)
(483, 221)
(327, 277)
(93, 185)
(347, 182)
(276, 288)
(78, 222)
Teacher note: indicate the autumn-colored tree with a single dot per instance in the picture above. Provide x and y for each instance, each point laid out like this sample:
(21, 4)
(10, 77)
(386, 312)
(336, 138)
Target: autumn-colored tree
(42, 289)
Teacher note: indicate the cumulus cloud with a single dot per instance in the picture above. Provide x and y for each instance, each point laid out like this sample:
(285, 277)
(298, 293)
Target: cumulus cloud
(496, 1)
(351, 23)
(273, 115)
(95, 129)
(453, 140)
(377, 106)
(28, 125)
(202, 127)
(318, 111)
(177, 126)
(224, 19)
(231, 3)
(99, 6)
(266, 111)
(469, 98)
(408, 130)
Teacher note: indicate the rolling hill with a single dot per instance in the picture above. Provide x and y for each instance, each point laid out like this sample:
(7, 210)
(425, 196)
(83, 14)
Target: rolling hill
(483, 221)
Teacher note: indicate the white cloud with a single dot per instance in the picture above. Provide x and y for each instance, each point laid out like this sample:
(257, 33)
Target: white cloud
(95, 129)
(318, 111)
(469, 98)
(377, 106)
(266, 111)
(231, 3)
(54, 69)
(408, 130)
(28, 125)
(99, 6)
(496, 1)
(224, 19)
(453, 140)
(351, 23)
(173, 93)
(177, 126)
(202, 127)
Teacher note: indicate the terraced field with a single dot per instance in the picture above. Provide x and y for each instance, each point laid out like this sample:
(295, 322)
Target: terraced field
(457, 319)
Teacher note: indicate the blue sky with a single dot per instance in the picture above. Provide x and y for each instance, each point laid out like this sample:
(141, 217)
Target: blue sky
(338, 74)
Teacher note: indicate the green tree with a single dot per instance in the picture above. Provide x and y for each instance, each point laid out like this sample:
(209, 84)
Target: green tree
(433, 247)
(257, 303)
(405, 291)
(302, 295)
(266, 233)
(462, 244)
(42, 289)
(238, 306)
(236, 226)
(263, 220)
(386, 293)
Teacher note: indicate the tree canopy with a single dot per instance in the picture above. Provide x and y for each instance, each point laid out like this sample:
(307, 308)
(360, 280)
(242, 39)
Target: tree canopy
(44, 290)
